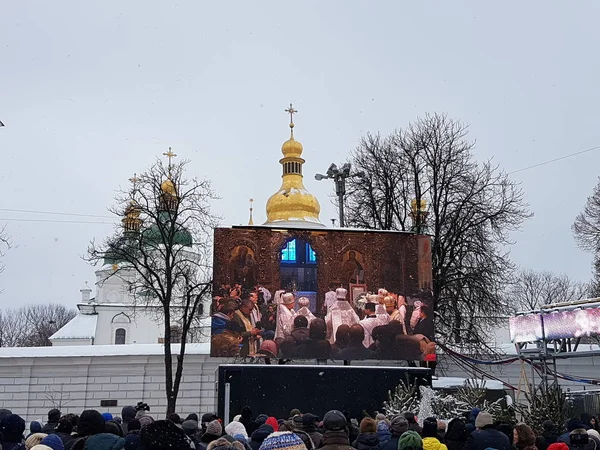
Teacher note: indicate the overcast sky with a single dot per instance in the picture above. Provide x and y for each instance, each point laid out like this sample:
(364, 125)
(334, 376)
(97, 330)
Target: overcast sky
(91, 92)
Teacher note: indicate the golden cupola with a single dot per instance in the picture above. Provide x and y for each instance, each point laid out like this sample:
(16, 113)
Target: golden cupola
(292, 204)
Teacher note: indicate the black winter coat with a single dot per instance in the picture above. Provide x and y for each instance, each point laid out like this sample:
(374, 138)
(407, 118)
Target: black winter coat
(392, 444)
(259, 436)
(366, 441)
(335, 440)
(487, 437)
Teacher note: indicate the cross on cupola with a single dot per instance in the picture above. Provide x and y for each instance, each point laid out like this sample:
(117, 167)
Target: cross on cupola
(170, 155)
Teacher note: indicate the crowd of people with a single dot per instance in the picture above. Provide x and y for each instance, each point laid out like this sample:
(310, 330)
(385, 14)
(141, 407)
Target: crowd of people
(371, 326)
(136, 429)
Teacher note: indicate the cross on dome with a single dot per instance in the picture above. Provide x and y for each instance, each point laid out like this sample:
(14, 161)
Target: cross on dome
(170, 155)
(291, 111)
(133, 180)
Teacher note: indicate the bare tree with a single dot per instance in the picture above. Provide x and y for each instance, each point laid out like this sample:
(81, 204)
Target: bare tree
(57, 398)
(586, 230)
(530, 290)
(12, 328)
(42, 321)
(162, 251)
(472, 209)
(32, 325)
(5, 244)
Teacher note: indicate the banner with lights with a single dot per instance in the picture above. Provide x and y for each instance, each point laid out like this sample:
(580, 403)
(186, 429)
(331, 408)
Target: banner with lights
(551, 325)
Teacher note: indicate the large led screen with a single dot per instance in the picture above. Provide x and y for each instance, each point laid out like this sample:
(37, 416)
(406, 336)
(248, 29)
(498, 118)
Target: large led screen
(526, 328)
(568, 324)
(322, 294)
(555, 325)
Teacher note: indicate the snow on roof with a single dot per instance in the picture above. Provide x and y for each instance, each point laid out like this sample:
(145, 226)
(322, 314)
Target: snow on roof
(99, 350)
(451, 382)
(82, 326)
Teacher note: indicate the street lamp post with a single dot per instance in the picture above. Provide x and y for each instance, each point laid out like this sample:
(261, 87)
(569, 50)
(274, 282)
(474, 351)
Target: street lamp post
(339, 177)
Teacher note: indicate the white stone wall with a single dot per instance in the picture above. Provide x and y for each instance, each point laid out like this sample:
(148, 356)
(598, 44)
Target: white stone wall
(31, 386)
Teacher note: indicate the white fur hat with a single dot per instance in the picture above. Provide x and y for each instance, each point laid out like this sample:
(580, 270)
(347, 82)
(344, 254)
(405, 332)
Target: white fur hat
(341, 293)
(287, 298)
(303, 301)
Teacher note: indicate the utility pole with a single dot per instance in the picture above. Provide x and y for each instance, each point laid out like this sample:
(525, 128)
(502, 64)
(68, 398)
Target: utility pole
(339, 177)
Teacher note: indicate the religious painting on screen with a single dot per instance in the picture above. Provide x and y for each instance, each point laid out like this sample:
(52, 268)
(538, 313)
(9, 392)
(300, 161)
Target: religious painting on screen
(242, 266)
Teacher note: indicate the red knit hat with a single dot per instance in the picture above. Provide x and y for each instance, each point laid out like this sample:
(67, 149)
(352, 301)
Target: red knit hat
(558, 446)
(273, 422)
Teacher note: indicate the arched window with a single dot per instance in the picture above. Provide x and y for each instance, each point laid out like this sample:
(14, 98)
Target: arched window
(120, 334)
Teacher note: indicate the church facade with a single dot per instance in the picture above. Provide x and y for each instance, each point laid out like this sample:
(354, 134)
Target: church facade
(111, 317)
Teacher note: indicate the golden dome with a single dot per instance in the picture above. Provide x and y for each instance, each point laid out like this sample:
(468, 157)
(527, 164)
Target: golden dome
(291, 148)
(133, 210)
(292, 203)
(168, 187)
(132, 221)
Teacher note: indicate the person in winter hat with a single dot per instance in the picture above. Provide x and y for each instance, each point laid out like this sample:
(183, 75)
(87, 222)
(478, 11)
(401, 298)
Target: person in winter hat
(107, 416)
(132, 441)
(273, 422)
(34, 439)
(456, 434)
(410, 440)
(4, 413)
(309, 426)
(398, 425)
(558, 446)
(486, 435)
(53, 441)
(12, 428)
(190, 428)
(112, 426)
(224, 443)
(163, 435)
(90, 423)
(53, 418)
(104, 441)
(206, 419)
(127, 414)
(242, 440)
(306, 440)
(258, 437)
(549, 434)
(34, 427)
(413, 425)
(296, 423)
(367, 438)
(236, 428)
(214, 430)
(430, 435)
(383, 432)
(63, 430)
(261, 419)
(284, 440)
(335, 435)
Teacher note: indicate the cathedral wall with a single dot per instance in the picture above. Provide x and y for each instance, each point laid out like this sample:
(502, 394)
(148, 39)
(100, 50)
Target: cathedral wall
(140, 325)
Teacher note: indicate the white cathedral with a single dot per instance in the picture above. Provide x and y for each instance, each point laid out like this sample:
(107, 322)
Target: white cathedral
(113, 317)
